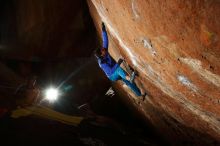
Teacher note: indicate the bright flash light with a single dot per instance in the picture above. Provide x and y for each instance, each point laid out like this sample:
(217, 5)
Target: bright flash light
(52, 94)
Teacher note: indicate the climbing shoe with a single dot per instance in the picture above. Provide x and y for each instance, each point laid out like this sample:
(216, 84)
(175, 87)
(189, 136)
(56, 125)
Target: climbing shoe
(144, 96)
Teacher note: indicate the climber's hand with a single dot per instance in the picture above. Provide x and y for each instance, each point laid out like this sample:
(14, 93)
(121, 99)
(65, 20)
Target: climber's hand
(120, 61)
(103, 26)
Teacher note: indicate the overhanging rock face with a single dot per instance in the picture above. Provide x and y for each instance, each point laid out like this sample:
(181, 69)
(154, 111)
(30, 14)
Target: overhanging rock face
(175, 47)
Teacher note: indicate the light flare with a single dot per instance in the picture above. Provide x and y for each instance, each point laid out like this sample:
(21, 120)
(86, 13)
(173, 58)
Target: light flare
(52, 94)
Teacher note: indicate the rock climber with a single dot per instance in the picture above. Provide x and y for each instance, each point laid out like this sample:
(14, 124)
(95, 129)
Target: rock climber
(112, 69)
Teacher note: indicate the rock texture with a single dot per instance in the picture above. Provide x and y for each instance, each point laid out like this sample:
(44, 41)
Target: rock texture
(174, 46)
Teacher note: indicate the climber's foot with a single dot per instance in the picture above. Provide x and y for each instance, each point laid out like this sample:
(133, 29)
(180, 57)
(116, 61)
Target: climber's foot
(144, 96)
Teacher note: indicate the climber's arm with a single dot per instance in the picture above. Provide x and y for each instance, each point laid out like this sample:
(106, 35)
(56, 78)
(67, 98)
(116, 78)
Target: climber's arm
(104, 37)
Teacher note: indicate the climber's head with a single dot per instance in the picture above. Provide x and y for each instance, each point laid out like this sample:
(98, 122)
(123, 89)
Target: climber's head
(100, 53)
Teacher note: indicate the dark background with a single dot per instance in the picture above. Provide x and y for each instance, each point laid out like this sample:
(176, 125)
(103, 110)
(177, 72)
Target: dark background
(54, 40)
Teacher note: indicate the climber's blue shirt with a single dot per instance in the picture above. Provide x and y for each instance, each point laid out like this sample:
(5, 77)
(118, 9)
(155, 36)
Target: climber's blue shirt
(107, 63)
